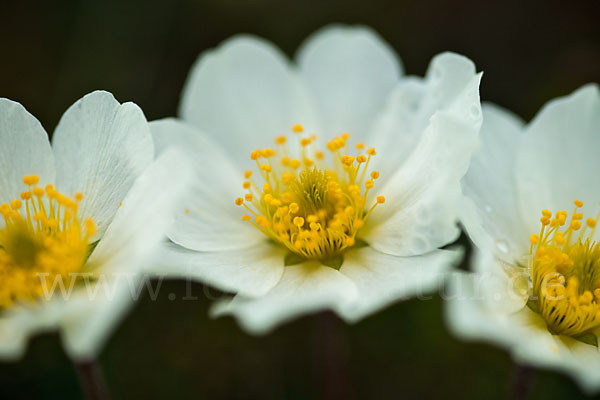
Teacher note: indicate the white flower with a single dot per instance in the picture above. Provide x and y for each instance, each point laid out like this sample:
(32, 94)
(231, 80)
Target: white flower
(95, 189)
(537, 270)
(313, 212)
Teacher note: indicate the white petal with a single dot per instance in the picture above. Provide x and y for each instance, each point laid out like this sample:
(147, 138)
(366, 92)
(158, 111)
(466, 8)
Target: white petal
(422, 197)
(207, 218)
(130, 242)
(147, 210)
(24, 150)
(244, 94)
(249, 272)
(490, 213)
(350, 70)
(382, 279)
(558, 162)
(409, 108)
(101, 147)
(303, 288)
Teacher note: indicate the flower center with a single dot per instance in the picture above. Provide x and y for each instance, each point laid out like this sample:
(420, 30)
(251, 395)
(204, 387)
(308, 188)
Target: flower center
(312, 208)
(42, 239)
(564, 265)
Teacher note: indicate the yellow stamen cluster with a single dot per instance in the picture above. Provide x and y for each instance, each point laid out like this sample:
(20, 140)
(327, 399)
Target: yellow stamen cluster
(564, 265)
(312, 208)
(42, 239)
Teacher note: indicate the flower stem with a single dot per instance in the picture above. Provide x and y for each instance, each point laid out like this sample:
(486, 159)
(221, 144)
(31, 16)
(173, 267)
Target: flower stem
(92, 380)
(522, 381)
(332, 358)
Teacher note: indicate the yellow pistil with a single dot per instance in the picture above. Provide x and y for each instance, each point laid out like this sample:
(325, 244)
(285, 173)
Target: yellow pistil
(42, 241)
(313, 208)
(564, 266)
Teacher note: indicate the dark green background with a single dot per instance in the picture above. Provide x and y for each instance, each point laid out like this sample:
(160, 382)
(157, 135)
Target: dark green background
(55, 52)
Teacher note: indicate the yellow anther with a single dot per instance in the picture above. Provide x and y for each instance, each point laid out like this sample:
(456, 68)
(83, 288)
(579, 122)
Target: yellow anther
(246, 185)
(287, 197)
(239, 201)
(345, 136)
(295, 163)
(248, 196)
(575, 225)
(305, 142)
(358, 223)
(247, 174)
(360, 145)
(375, 174)
(268, 198)
(280, 139)
(38, 191)
(267, 188)
(319, 155)
(78, 196)
(534, 239)
(15, 204)
(559, 238)
(299, 221)
(545, 220)
(347, 160)
(31, 179)
(266, 167)
(294, 208)
(262, 221)
(255, 155)
(308, 162)
(578, 203)
(381, 199)
(547, 213)
(246, 218)
(369, 184)
(361, 159)
(90, 227)
(25, 195)
(275, 202)
(371, 151)
(298, 128)
(350, 241)
(591, 222)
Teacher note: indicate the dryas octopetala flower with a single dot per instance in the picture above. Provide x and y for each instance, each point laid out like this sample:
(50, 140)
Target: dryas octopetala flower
(531, 208)
(78, 219)
(327, 184)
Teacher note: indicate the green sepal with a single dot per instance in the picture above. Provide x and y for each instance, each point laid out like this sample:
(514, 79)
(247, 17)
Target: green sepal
(292, 259)
(533, 306)
(587, 338)
(334, 262)
(359, 243)
(92, 247)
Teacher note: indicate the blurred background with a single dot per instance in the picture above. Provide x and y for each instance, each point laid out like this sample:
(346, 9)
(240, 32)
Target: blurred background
(54, 52)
